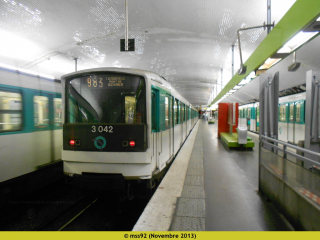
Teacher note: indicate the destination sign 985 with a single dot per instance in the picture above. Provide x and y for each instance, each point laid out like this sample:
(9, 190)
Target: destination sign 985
(103, 82)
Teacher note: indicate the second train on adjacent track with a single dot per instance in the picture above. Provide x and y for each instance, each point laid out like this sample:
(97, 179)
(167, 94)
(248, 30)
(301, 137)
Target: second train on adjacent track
(291, 118)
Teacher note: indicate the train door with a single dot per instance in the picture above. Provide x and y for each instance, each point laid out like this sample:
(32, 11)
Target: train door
(56, 116)
(42, 127)
(245, 117)
(283, 122)
(187, 119)
(176, 128)
(291, 124)
(181, 121)
(169, 122)
(248, 118)
(155, 127)
(252, 119)
(258, 112)
(299, 129)
(47, 123)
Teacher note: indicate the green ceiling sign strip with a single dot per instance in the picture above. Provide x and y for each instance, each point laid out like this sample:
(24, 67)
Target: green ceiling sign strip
(302, 13)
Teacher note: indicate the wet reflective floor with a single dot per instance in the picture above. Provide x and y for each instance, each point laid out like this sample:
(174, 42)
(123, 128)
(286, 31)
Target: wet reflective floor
(232, 199)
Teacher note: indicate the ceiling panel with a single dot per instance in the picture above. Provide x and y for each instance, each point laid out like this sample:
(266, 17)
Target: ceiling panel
(186, 41)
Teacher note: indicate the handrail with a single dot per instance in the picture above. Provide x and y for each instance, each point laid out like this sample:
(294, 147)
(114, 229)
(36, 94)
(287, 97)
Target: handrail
(273, 146)
(292, 146)
(291, 153)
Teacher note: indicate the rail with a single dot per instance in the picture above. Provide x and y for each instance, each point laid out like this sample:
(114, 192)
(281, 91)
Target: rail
(285, 151)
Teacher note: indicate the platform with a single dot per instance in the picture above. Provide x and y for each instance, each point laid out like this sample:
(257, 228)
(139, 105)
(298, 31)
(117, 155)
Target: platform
(209, 188)
(231, 141)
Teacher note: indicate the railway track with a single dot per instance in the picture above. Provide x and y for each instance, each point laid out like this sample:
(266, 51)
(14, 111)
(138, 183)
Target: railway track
(104, 214)
(19, 210)
(61, 207)
(64, 218)
(80, 213)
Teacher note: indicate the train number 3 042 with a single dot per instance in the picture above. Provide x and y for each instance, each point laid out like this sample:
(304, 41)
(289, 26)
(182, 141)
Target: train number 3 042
(107, 129)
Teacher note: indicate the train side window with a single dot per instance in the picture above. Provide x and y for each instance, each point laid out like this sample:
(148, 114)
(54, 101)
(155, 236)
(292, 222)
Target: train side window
(175, 111)
(57, 106)
(10, 111)
(166, 106)
(41, 111)
(182, 112)
(282, 113)
(187, 109)
(153, 109)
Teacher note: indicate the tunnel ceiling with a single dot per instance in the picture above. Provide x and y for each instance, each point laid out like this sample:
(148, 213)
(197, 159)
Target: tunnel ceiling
(188, 42)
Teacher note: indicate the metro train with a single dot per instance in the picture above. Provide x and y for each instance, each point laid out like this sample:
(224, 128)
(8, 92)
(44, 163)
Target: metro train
(122, 127)
(30, 124)
(291, 118)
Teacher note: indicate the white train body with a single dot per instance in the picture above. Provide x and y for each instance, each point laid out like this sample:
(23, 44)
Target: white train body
(158, 130)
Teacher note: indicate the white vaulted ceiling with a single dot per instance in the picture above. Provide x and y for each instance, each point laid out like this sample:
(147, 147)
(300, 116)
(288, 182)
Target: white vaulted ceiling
(186, 41)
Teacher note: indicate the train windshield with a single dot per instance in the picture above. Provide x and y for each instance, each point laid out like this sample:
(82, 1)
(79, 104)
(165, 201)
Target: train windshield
(106, 98)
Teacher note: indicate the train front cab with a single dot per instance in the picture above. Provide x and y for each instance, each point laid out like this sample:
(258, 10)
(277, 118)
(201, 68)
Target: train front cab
(105, 135)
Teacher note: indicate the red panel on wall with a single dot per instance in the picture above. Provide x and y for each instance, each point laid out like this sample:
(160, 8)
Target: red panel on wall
(237, 118)
(223, 125)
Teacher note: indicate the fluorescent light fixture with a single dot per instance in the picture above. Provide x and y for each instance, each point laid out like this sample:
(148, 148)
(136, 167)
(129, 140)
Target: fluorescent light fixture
(285, 49)
(236, 87)
(232, 91)
(247, 79)
(244, 81)
(269, 63)
(25, 71)
(2, 65)
(297, 41)
(35, 73)
(318, 20)
(251, 75)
